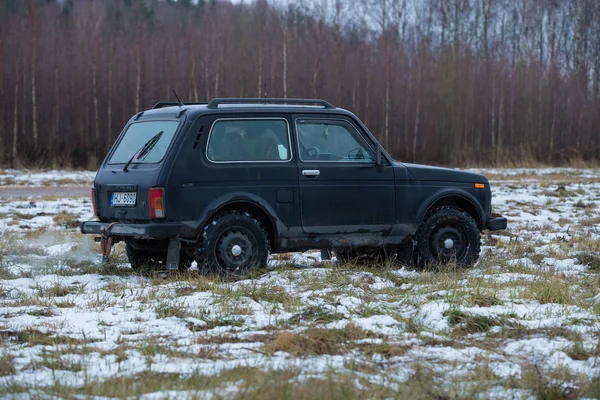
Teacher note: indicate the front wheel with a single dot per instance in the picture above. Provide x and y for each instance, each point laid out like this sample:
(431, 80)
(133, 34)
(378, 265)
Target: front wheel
(446, 235)
(233, 244)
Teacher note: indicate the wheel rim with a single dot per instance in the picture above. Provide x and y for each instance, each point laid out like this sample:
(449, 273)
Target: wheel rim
(236, 249)
(448, 242)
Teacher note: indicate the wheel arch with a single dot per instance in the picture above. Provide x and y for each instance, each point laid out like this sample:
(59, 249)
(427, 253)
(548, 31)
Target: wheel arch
(260, 212)
(461, 200)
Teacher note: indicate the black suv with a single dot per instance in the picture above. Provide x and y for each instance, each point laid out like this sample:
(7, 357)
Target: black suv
(227, 182)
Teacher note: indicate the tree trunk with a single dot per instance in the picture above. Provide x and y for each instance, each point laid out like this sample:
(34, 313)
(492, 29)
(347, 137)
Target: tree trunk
(96, 112)
(315, 78)
(285, 62)
(493, 122)
(2, 108)
(485, 8)
(406, 103)
(206, 87)
(138, 74)
(386, 125)
(354, 95)
(552, 129)
(193, 87)
(367, 89)
(500, 124)
(56, 124)
(15, 117)
(111, 55)
(416, 131)
(217, 82)
(33, 94)
(260, 59)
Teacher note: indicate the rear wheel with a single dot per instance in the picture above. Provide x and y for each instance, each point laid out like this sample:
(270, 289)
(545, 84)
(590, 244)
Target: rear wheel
(233, 244)
(446, 235)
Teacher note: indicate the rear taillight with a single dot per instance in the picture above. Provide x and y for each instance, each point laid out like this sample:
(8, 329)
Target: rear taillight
(94, 201)
(156, 202)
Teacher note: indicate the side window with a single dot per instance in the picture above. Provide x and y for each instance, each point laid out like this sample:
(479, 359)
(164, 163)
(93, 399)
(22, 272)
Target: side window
(249, 140)
(330, 140)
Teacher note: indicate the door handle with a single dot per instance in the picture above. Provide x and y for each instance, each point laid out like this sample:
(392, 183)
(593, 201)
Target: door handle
(311, 172)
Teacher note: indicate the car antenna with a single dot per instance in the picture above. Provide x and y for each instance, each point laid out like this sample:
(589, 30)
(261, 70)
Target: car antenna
(177, 97)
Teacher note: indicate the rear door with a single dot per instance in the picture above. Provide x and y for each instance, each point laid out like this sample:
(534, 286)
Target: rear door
(341, 189)
(243, 158)
(122, 193)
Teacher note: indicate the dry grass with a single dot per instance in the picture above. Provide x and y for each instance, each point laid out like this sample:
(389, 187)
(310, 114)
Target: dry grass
(317, 315)
(67, 219)
(592, 260)
(551, 288)
(578, 352)
(546, 386)
(465, 323)
(58, 290)
(316, 341)
(250, 383)
(385, 349)
(591, 222)
(33, 337)
(484, 298)
(42, 312)
(178, 310)
(6, 365)
(250, 321)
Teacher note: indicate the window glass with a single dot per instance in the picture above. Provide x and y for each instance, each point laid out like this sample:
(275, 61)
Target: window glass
(329, 140)
(249, 140)
(138, 134)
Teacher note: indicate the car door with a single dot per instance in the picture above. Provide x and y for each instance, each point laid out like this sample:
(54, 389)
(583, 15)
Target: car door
(341, 188)
(247, 158)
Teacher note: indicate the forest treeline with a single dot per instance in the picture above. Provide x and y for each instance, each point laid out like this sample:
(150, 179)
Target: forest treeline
(452, 82)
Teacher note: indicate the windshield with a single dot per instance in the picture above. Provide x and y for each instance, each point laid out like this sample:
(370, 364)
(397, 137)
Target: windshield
(140, 133)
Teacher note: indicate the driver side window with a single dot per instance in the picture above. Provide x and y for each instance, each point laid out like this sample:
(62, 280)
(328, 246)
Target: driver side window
(330, 140)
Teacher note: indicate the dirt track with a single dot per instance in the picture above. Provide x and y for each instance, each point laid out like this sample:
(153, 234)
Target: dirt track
(15, 192)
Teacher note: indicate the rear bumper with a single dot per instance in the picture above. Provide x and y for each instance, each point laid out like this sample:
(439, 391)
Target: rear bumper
(134, 231)
(496, 223)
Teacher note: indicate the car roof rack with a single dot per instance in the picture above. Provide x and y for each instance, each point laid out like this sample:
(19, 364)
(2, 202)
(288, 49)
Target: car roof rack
(162, 104)
(214, 103)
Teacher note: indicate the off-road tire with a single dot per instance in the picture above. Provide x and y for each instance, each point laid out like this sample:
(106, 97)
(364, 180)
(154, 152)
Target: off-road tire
(438, 226)
(146, 260)
(225, 236)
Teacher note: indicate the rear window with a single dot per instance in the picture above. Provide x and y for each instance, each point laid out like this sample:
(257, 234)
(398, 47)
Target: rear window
(249, 140)
(138, 134)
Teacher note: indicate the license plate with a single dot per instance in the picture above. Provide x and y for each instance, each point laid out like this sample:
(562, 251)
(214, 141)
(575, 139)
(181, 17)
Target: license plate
(123, 199)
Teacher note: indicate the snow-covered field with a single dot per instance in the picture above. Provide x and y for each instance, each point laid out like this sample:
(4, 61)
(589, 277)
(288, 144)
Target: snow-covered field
(523, 323)
(15, 177)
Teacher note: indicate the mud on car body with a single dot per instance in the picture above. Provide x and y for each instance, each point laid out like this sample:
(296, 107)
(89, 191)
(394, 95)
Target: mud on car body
(230, 181)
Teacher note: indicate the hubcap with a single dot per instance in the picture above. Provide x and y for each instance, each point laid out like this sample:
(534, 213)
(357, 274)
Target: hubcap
(449, 242)
(236, 250)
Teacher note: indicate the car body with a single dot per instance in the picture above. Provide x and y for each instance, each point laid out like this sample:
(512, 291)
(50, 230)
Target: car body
(260, 158)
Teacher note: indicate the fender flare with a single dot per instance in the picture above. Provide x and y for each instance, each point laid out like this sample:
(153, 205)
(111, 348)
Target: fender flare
(448, 193)
(226, 201)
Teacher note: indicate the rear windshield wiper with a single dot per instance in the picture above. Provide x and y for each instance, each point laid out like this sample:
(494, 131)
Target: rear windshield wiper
(144, 150)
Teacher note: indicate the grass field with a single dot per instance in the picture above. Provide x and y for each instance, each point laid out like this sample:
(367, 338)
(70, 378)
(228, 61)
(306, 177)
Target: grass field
(523, 323)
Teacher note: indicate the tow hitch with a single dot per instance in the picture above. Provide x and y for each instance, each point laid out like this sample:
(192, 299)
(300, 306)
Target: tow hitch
(106, 242)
